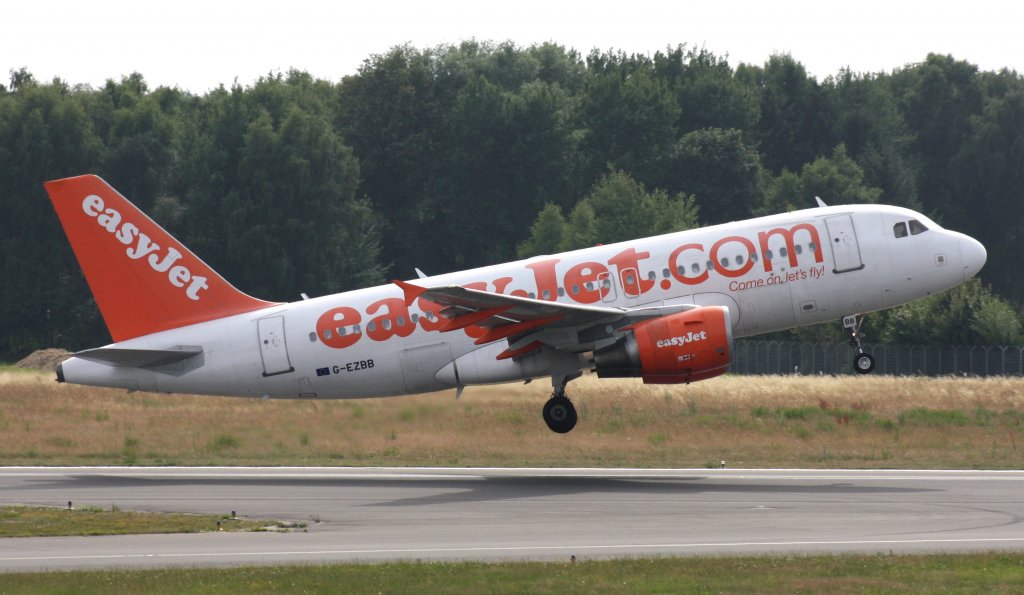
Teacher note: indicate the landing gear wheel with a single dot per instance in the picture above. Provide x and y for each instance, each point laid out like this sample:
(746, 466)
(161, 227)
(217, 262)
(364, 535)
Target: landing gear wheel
(863, 363)
(559, 414)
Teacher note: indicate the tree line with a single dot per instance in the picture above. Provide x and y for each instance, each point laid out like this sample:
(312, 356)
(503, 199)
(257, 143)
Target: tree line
(466, 155)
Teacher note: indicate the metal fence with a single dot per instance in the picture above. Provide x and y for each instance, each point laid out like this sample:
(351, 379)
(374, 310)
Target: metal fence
(784, 357)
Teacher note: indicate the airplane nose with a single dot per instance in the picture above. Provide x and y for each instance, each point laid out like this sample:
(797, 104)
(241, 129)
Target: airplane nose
(973, 256)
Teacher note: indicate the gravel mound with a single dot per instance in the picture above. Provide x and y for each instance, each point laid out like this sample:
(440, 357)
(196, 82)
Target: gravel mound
(44, 359)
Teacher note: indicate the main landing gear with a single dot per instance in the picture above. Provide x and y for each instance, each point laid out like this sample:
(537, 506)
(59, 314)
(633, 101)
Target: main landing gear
(863, 362)
(559, 412)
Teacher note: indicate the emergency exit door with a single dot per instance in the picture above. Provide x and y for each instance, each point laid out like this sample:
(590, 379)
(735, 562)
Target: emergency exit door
(273, 347)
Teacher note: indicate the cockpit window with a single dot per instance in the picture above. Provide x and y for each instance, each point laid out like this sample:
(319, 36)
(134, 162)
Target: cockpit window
(900, 230)
(917, 227)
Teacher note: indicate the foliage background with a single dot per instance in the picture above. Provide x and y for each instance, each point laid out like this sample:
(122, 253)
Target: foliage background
(459, 156)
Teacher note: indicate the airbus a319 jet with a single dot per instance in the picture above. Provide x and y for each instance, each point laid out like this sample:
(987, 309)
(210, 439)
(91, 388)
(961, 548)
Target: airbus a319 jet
(665, 309)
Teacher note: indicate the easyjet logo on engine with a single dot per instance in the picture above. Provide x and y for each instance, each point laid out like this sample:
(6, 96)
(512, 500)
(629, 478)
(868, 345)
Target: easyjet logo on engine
(142, 246)
(683, 339)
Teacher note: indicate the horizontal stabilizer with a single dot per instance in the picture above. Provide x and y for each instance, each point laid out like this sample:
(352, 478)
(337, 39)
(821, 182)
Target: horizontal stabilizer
(140, 358)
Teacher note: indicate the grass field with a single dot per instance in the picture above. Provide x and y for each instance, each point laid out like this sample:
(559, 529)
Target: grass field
(966, 573)
(774, 421)
(30, 521)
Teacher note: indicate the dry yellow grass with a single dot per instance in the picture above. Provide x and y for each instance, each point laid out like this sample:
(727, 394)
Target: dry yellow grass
(746, 421)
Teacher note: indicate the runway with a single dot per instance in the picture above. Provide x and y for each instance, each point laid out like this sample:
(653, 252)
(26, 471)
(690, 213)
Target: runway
(377, 514)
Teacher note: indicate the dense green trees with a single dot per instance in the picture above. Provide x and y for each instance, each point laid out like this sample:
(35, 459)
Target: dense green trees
(458, 156)
(617, 209)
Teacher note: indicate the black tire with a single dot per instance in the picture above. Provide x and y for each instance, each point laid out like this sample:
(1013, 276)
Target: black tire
(560, 415)
(863, 363)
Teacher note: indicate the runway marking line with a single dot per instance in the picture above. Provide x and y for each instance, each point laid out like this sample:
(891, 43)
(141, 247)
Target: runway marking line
(574, 548)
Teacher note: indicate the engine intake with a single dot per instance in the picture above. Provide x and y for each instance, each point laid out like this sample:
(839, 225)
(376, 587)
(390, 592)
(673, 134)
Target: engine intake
(680, 348)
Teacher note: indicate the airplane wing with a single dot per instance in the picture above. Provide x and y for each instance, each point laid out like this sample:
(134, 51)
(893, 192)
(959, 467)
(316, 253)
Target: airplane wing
(519, 319)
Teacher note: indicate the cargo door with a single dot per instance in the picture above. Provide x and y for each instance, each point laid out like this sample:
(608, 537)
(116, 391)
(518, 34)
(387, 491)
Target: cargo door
(420, 366)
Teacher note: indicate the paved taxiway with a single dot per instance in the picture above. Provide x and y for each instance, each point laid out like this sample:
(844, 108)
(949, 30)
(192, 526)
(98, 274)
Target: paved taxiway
(359, 514)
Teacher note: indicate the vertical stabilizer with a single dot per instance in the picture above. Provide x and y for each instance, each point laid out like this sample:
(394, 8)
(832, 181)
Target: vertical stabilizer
(143, 280)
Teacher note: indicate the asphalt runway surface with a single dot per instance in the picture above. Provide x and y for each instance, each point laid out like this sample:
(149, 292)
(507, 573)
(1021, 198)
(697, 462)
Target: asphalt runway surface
(379, 514)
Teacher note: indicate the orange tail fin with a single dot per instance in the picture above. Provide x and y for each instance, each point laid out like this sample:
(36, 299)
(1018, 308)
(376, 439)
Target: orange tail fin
(143, 279)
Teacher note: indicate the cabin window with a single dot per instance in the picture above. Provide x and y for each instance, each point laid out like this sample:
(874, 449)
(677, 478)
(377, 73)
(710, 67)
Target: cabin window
(400, 321)
(900, 230)
(575, 289)
(561, 291)
(328, 333)
(652, 275)
(798, 249)
(753, 256)
(724, 261)
(768, 254)
(665, 273)
(813, 247)
(682, 270)
(386, 324)
(711, 265)
(694, 267)
(341, 331)
(355, 329)
(589, 285)
(607, 283)
(415, 318)
(371, 327)
(547, 294)
(312, 337)
(917, 227)
(630, 280)
(739, 260)
(532, 295)
(783, 252)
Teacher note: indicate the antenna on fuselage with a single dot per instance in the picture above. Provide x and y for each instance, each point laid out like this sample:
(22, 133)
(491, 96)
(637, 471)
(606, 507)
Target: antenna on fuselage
(821, 203)
(420, 273)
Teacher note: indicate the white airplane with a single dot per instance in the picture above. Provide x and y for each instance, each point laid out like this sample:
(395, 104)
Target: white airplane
(665, 309)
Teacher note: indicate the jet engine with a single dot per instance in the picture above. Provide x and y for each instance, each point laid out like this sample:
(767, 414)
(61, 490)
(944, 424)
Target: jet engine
(679, 348)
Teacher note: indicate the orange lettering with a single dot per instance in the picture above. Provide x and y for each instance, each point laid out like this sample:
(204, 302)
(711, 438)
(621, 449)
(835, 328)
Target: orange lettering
(679, 272)
(329, 323)
(748, 263)
(394, 321)
(790, 243)
(577, 278)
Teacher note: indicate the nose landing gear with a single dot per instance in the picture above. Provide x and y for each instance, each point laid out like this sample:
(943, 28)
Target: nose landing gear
(863, 363)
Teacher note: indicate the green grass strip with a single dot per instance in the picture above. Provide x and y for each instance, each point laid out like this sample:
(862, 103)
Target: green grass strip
(946, 573)
(25, 521)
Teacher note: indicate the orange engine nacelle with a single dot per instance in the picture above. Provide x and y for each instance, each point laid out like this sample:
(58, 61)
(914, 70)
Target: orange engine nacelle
(683, 347)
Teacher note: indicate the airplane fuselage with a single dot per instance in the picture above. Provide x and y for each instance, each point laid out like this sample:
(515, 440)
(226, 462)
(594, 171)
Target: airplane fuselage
(772, 273)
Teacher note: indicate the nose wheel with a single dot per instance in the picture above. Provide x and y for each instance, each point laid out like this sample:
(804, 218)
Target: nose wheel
(863, 363)
(559, 413)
